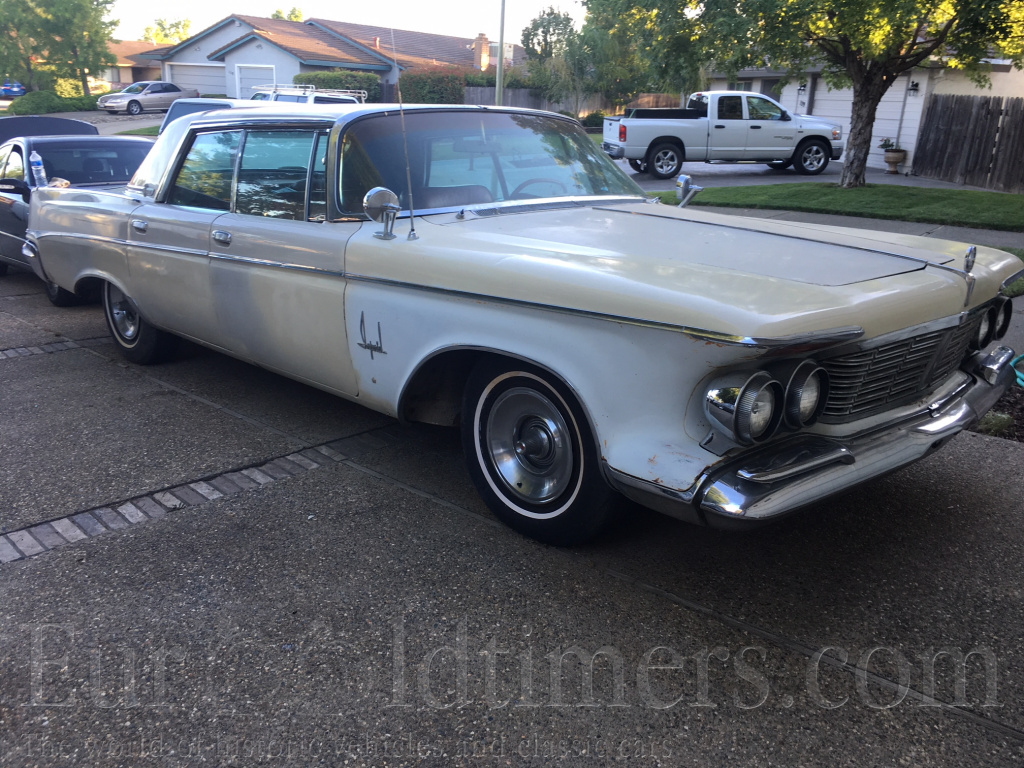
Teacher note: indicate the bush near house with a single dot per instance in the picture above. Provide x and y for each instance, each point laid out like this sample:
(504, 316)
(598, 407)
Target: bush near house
(48, 102)
(444, 85)
(341, 78)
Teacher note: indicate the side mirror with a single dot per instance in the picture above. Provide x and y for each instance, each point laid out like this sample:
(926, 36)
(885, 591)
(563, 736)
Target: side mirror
(381, 205)
(16, 187)
(686, 190)
(786, 117)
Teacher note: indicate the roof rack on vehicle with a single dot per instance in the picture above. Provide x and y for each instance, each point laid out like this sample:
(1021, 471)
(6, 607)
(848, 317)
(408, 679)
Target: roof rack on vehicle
(277, 88)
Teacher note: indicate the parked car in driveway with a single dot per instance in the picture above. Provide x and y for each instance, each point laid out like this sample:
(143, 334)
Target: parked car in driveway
(491, 269)
(82, 160)
(138, 97)
(12, 89)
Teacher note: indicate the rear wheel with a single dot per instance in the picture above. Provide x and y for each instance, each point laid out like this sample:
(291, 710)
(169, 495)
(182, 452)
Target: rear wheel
(58, 296)
(138, 341)
(134, 108)
(640, 166)
(812, 157)
(664, 160)
(780, 165)
(531, 455)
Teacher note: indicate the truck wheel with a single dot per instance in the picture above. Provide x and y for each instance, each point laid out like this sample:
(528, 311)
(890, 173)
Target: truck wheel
(812, 157)
(58, 296)
(530, 454)
(664, 160)
(138, 341)
(640, 166)
(780, 165)
(134, 108)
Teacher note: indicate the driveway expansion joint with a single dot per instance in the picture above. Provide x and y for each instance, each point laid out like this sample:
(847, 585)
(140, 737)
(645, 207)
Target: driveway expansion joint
(40, 538)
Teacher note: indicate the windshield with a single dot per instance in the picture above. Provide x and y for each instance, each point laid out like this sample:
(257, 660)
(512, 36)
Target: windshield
(135, 88)
(459, 158)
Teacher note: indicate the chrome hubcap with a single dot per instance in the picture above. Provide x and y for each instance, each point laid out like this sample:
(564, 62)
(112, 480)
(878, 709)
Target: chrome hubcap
(813, 158)
(529, 445)
(665, 162)
(122, 314)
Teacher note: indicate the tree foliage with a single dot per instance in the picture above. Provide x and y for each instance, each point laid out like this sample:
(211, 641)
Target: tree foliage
(865, 44)
(165, 32)
(293, 15)
(46, 39)
(548, 35)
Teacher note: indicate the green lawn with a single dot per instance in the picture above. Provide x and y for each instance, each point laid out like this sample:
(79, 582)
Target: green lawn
(986, 210)
(151, 131)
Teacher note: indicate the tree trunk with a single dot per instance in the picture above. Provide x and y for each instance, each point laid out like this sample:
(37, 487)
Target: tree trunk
(866, 95)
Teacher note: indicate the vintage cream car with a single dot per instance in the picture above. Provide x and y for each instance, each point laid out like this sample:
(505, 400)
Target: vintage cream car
(491, 269)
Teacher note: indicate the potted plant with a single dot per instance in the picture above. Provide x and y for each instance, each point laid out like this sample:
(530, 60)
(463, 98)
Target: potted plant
(893, 154)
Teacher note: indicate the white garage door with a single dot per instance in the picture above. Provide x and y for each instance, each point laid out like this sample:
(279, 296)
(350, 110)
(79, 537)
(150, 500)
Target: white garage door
(250, 75)
(202, 77)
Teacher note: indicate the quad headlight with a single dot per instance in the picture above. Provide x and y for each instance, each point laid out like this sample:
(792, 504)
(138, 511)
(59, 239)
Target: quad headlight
(1004, 316)
(806, 394)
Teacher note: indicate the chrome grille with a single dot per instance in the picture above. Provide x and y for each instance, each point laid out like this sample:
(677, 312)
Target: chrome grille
(891, 374)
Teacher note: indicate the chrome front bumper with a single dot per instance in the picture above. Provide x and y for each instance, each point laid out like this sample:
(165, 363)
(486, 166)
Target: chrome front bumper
(786, 476)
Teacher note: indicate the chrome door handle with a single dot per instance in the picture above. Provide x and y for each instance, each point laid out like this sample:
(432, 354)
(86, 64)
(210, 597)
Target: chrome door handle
(222, 237)
(139, 225)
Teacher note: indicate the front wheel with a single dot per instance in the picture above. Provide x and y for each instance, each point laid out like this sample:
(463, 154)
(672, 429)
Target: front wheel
(812, 157)
(664, 160)
(531, 455)
(138, 341)
(780, 165)
(134, 108)
(58, 296)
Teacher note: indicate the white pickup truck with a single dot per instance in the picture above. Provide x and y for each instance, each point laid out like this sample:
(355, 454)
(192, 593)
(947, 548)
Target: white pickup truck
(728, 126)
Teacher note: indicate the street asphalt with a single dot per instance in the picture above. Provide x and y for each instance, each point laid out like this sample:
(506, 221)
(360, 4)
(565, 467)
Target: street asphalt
(369, 611)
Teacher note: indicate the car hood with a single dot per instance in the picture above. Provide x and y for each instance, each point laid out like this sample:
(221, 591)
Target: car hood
(681, 267)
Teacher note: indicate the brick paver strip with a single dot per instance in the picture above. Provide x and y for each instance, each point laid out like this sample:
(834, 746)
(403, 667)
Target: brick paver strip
(303, 461)
(150, 507)
(189, 495)
(68, 530)
(206, 490)
(110, 518)
(132, 513)
(243, 481)
(47, 536)
(23, 541)
(169, 500)
(88, 523)
(8, 553)
(276, 472)
(258, 475)
(289, 466)
(330, 453)
(226, 485)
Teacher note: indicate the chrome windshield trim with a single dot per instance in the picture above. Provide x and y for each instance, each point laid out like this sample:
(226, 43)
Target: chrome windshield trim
(515, 206)
(1011, 280)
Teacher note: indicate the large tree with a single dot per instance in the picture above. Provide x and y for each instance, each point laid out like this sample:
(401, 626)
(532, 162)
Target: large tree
(69, 37)
(165, 32)
(865, 44)
(293, 15)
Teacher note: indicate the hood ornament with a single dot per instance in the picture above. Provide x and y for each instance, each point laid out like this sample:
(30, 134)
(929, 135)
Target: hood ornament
(969, 257)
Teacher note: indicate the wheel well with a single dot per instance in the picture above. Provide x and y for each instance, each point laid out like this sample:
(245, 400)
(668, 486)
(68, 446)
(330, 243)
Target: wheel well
(812, 140)
(674, 140)
(89, 288)
(433, 394)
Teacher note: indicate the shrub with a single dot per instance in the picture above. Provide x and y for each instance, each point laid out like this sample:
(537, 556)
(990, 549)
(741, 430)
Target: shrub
(343, 79)
(82, 103)
(37, 103)
(445, 85)
(67, 87)
(215, 95)
(594, 120)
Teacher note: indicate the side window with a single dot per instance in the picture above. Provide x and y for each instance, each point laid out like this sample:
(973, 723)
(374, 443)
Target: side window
(204, 180)
(273, 174)
(730, 108)
(762, 109)
(3, 159)
(15, 165)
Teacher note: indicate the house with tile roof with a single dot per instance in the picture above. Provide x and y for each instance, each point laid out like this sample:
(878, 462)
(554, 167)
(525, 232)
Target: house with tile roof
(134, 63)
(240, 52)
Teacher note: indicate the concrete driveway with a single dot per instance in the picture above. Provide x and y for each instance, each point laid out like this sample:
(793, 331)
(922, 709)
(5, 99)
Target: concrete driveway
(231, 568)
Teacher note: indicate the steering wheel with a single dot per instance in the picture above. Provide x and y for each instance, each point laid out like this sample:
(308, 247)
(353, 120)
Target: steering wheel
(538, 180)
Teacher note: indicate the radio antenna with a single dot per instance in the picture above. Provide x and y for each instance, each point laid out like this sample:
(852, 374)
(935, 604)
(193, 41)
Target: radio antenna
(405, 139)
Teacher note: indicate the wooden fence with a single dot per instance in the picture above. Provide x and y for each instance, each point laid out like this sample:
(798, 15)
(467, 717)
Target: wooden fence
(525, 97)
(973, 140)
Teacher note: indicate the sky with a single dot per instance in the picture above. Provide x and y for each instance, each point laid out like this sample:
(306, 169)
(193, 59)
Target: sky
(468, 20)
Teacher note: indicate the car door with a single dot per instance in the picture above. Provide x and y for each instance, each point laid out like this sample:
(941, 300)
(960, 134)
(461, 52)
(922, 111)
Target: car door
(728, 134)
(277, 267)
(769, 134)
(169, 240)
(13, 208)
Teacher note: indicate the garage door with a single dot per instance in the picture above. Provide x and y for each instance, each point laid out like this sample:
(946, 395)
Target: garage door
(204, 78)
(250, 75)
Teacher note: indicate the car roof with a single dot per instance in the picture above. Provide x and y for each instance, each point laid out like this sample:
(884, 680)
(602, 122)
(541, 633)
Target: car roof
(36, 125)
